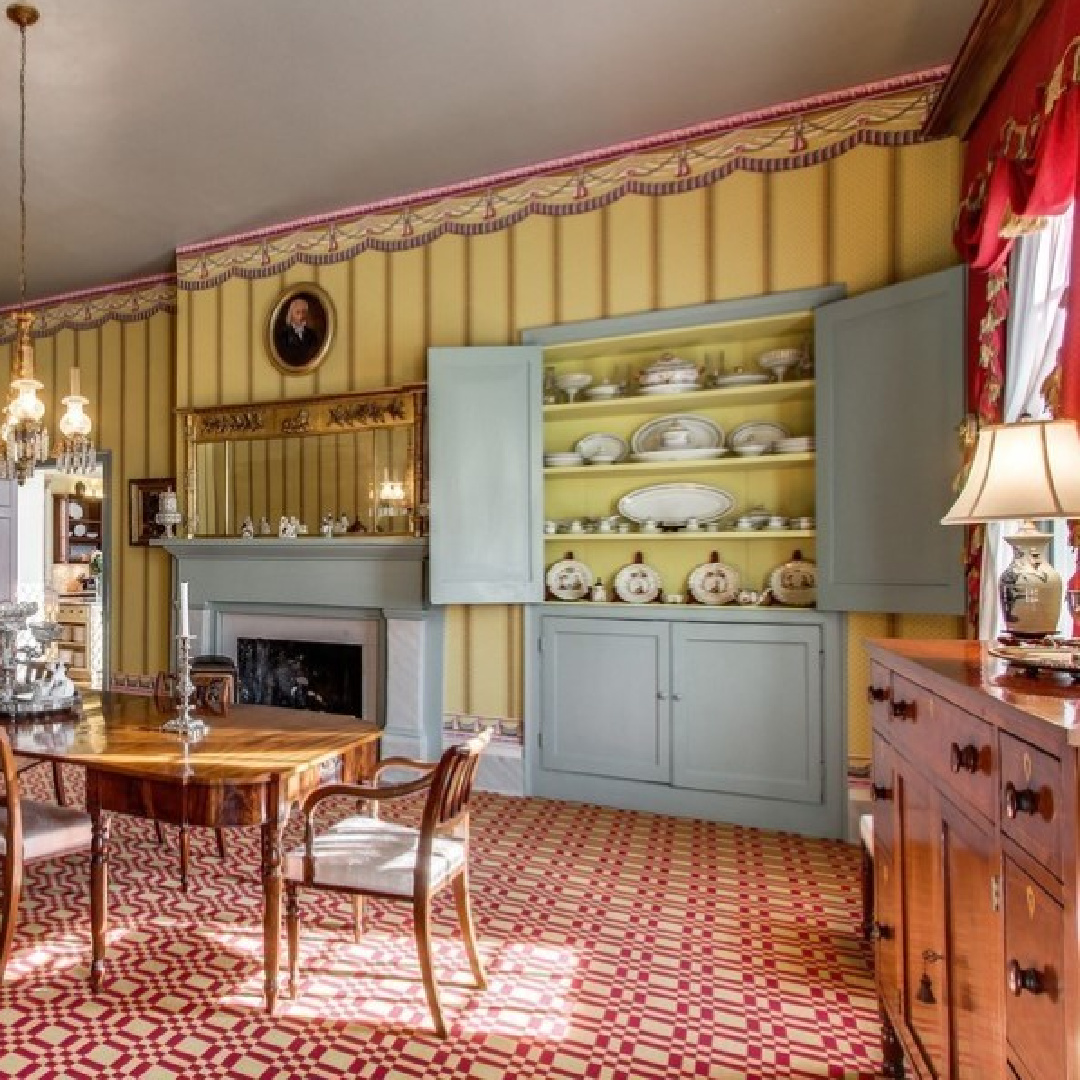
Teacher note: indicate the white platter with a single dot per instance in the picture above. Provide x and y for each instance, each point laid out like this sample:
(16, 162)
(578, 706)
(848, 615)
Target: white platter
(760, 432)
(670, 388)
(749, 378)
(610, 448)
(675, 504)
(569, 579)
(714, 583)
(637, 583)
(680, 455)
(795, 582)
(702, 433)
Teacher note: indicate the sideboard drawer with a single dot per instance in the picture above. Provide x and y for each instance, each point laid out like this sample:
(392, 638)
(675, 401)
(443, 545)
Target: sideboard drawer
(964, 757)
(1030, 782)
(1035, 975)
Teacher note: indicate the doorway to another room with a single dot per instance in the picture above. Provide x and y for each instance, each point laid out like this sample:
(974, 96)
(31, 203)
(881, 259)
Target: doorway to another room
(62, 552)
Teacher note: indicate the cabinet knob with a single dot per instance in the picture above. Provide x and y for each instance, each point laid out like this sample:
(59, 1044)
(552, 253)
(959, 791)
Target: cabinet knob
(964, 758)
(903, 710)
(661, 695)
(881, 931)
(880, 793)
(1021, 979)
(1020, 800)
(676, 697)
(877, 693)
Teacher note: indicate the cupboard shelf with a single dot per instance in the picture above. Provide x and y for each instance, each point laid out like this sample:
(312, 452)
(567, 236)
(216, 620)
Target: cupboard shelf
(724, 537)
(733, 462)
(691, 401)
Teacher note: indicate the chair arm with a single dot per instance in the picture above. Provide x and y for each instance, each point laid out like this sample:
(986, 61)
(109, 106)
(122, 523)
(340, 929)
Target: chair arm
(404, 763)
(362, 791)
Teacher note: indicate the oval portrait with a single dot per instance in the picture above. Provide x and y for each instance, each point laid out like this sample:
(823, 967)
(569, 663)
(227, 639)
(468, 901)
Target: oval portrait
(301, 329)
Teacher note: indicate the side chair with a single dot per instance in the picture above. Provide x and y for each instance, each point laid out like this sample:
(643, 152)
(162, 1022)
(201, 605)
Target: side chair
(363, 855)
(30, 831)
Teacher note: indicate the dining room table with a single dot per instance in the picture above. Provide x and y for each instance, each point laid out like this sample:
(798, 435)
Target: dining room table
(251, 766)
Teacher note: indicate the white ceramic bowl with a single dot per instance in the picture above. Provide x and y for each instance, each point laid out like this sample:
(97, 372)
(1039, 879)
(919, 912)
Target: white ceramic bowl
(752, 449)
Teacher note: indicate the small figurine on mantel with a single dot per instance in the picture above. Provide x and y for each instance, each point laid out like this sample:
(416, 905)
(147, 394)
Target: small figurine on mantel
(341, 527)
(264, 526)
(326, 525)
(247, 528)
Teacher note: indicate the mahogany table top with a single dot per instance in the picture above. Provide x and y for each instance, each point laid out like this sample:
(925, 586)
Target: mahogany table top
(965, 672)
(251, 743)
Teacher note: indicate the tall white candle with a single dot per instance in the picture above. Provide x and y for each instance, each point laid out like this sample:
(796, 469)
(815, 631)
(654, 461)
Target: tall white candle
(184, 628)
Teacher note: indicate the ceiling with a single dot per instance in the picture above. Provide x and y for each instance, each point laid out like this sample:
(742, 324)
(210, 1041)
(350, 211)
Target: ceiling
(157, 123)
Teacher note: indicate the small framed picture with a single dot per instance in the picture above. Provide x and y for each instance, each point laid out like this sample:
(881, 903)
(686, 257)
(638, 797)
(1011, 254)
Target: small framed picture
(144, 496)
(300, 330)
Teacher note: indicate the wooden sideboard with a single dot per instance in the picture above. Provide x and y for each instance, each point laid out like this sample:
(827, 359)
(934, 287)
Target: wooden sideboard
(975, 864)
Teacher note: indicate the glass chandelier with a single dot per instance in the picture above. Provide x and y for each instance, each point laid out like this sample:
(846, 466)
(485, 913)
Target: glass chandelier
(23, 431)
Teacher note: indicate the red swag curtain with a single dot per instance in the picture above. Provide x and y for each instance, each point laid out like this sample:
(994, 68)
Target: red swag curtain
(1023, 163)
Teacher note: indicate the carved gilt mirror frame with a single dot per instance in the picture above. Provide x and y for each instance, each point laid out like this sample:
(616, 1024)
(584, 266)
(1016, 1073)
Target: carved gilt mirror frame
(358, 457)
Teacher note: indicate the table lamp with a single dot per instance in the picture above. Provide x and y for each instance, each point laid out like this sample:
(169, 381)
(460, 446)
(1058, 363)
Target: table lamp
(1028, 470)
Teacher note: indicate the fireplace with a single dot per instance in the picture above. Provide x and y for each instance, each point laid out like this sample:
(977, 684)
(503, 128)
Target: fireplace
(321, 676)
(364, 596)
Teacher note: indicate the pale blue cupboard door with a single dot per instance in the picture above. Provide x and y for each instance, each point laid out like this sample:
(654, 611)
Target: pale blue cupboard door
(604, 698)
(747, 712)
(485, 449)
(890, 396)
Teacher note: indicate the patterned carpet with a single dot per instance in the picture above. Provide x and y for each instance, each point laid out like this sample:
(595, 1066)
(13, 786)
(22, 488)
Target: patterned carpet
(618, 945)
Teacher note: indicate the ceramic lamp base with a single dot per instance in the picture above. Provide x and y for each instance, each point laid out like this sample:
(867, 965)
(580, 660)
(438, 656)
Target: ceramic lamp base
(1030, 588)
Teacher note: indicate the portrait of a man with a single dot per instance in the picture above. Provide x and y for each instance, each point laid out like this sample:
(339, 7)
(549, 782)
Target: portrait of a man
(300, 329)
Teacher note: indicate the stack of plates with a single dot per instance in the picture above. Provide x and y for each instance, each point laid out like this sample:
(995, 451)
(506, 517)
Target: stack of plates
(671, 388)
(798, 445)
(560, 458)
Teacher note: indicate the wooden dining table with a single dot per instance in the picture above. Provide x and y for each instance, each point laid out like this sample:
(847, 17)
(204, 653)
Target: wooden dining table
(251, 766)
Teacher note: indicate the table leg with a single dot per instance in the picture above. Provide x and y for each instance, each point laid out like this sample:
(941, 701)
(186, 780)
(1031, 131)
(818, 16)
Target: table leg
(272, 867)
(99, 893)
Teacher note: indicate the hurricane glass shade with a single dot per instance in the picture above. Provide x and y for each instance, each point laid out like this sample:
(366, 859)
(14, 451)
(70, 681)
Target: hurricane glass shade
(1027, 470)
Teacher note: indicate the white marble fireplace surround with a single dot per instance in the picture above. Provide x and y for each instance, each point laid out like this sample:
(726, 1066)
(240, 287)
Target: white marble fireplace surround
(350, 591)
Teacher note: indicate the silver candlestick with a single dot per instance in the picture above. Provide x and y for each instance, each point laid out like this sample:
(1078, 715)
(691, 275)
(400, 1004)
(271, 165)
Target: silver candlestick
(185, 723)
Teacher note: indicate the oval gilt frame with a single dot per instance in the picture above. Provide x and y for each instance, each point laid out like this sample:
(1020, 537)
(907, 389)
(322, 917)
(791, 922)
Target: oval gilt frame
(288, 351)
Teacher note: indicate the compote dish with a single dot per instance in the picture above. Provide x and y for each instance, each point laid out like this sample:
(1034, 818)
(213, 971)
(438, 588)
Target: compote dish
(571, 382)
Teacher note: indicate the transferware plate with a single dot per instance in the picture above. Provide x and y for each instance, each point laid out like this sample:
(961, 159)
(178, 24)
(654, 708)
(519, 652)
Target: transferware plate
(702, 433)
(569, 579)
(714, 583)
(637, 583)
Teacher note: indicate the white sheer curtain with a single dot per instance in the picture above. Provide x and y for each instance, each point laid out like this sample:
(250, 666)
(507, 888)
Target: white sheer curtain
(1039, 276)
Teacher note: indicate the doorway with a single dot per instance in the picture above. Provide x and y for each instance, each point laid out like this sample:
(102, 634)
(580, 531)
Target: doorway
(61, 557)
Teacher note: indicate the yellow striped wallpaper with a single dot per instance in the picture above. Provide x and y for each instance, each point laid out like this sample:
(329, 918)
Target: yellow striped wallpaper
(870, 217)
(127, 373)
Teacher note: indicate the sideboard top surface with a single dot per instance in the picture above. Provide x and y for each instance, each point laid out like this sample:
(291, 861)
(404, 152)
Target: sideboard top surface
(967, 674)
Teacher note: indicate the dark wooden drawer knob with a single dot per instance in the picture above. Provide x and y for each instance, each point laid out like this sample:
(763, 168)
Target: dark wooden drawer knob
(877, 693)
(964, 758)
(881, 931)
(880, 793)
(1021, 979)
(903, 710)
(1020, 800)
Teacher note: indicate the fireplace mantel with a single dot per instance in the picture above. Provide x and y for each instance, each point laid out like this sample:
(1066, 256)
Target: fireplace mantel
(332, 583)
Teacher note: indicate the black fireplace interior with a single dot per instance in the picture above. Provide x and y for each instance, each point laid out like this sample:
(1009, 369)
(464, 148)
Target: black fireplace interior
(319, 675)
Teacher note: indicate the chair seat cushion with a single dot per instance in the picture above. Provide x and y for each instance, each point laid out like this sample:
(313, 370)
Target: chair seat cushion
(48, 829)
(372, 854)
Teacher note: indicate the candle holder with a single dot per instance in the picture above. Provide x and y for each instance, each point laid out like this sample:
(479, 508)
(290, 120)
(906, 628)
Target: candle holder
(185, 723)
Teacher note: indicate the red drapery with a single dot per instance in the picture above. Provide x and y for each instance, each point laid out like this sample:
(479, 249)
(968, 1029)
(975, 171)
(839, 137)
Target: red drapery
(1023, 163)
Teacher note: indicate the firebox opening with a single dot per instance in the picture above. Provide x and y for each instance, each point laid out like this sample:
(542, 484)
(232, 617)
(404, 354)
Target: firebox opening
(318, 675)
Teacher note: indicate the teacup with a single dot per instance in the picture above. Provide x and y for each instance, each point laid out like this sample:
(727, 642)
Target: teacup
(777, 522)
(651, 526)
(673, 598)
(676, 438)
(550, 527)
(692, 524)
(576, 526)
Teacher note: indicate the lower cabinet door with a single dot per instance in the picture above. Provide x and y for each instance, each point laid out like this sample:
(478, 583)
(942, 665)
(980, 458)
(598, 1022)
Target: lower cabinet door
(604, 698)
(747, 709)
(973, 929)
(923, 919)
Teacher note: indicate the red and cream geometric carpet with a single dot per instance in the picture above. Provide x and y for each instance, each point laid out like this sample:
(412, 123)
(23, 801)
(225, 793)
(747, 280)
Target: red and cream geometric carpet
(618, 945)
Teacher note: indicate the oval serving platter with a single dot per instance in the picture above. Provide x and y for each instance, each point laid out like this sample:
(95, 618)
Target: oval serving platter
(703, 433)
(675, 504)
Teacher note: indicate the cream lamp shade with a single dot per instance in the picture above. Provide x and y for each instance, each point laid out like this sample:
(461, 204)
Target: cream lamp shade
(1028, 471)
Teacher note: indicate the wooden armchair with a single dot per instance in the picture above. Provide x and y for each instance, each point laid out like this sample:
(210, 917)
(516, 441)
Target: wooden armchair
(365, 856)
(30, 831)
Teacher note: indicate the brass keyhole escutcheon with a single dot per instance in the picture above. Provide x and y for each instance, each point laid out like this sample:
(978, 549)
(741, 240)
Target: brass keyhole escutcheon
(1027, 766)
(1031, 902)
